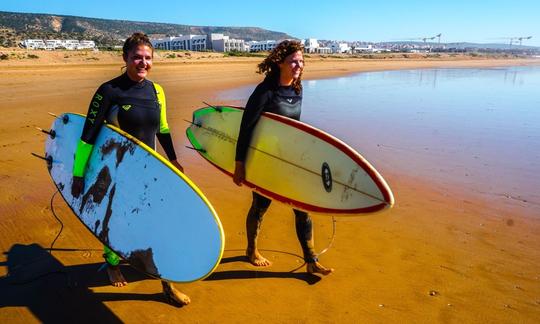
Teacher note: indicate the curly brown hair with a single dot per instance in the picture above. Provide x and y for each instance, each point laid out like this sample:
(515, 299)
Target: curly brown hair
(135, 40)
(270, 65)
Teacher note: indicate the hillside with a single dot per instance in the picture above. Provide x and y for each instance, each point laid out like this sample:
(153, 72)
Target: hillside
(15, 27)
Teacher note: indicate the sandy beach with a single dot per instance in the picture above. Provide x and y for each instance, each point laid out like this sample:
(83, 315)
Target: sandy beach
(440, 255)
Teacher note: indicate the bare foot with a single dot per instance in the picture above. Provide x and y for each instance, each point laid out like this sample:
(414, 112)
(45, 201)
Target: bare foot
(174, 296)
(257, 259)
(316, 267)
(115, 276)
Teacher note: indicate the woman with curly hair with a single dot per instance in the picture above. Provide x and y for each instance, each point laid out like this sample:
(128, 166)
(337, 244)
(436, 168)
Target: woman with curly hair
(279, 93)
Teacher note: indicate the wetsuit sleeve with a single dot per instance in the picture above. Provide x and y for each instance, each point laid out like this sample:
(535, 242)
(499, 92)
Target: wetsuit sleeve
(95, 119)
(164, 133)
(166, 142)
(254, 108)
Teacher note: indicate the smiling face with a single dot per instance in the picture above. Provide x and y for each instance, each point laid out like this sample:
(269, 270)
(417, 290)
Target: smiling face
(138, 62)
(291, 68)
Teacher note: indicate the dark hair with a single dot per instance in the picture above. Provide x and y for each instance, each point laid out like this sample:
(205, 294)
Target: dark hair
(135, 40)
(270, 65)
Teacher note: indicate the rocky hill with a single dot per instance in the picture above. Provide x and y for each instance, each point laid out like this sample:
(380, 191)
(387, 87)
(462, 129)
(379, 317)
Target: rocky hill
(15, 27)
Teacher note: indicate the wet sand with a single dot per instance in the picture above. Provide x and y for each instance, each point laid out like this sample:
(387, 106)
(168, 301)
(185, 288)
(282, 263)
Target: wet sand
(438, 255)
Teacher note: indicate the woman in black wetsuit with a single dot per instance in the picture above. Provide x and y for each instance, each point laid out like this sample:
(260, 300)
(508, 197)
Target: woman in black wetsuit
(137, 106)
(279, 93)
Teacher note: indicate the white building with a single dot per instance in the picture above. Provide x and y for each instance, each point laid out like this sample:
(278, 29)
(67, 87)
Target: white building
(324, 50)
(34, 44)
(340, 47)
(368, 49)
(221, 43)
(52, 44)
(311, 45)
(70, 44)
(181, 42)
(86, 44)
(262, 46)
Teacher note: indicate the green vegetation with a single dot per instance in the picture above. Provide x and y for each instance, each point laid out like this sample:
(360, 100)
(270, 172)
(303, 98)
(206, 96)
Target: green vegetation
(243, 54)
(32, 56)
(4, 56)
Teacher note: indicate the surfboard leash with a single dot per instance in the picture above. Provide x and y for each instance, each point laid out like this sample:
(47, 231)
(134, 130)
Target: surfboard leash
(326, 248)
(59, 221)
(331, 239)
(50, 250)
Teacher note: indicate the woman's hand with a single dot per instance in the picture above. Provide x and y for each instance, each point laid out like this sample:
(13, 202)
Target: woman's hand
(77, 187)
(177, 165)
(239, 173)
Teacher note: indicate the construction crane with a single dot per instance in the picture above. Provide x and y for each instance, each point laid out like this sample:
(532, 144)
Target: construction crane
(512, 40)
(425, 39)
(522, 38)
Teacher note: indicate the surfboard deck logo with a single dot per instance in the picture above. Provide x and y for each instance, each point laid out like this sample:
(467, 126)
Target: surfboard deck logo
(292, 162)
(137, 203)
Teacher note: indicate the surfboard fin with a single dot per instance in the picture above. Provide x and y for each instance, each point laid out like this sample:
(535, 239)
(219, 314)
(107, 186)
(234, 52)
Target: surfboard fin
(65, 118)
(51, 132)
(192, 123)
(217, 108)
(196, 149)
(47, 158)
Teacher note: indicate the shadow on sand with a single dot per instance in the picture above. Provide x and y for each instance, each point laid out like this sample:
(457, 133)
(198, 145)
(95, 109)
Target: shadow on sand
(55, 293)
(309, 278)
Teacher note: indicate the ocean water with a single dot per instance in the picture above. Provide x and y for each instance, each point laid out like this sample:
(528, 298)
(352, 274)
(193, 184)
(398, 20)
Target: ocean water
(478, 129)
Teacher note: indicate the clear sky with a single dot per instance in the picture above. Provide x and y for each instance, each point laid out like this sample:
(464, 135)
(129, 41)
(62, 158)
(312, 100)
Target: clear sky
(478, 21)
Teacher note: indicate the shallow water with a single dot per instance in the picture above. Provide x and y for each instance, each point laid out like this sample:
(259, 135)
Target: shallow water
(478, 129)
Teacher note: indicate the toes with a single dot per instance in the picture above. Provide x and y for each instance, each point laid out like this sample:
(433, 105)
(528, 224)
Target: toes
(317, 268)
(186, 300)
(261, 262)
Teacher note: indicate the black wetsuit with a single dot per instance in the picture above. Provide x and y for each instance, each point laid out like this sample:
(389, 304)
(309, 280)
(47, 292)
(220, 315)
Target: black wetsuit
(269, 96)
(132, 106)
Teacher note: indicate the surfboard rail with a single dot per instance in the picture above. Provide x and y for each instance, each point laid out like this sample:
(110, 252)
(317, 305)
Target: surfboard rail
(386, 202)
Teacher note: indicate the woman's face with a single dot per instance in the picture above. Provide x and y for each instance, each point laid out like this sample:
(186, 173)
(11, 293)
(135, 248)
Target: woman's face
(292, 66)
(138, 62)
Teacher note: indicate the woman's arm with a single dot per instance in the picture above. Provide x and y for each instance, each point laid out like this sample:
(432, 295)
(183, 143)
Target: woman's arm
(254, 108)
(95, 119)
(164, 134)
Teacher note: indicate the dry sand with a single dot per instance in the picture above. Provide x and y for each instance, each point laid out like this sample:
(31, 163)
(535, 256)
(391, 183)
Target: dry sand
(439, 255)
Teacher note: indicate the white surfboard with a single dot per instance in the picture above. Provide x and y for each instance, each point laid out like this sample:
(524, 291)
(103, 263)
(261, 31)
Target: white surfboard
(137, 203)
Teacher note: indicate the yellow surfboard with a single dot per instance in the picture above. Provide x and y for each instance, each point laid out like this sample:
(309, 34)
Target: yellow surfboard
(292, 162)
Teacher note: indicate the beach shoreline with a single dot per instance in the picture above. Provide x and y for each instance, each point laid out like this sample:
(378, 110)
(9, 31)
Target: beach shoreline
(438, 255)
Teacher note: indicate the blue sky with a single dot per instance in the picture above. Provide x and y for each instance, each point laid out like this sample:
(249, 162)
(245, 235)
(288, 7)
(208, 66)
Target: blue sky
(387, 20)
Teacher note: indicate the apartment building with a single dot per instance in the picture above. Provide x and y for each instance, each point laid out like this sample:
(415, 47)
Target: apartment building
(262, 46)
(181, 42)
(222, 43)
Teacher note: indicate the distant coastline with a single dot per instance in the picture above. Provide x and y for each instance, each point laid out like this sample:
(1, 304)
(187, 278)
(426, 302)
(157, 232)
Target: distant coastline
(20, 57)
